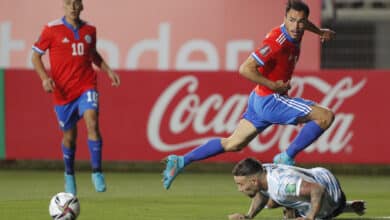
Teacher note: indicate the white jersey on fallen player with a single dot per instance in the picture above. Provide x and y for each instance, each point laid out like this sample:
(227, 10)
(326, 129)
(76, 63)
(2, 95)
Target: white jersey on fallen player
(284, 183)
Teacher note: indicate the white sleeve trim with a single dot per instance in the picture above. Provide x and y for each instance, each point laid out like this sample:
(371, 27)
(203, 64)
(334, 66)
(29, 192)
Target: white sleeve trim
(36, 49)
(258, 60)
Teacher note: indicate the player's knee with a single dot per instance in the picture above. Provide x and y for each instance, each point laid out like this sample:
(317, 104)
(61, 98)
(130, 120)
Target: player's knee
(326, 119)
(93, 130)
(92, 126)
(69, 141)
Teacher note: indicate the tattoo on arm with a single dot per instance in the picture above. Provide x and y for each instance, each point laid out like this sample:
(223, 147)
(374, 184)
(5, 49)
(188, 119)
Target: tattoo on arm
(315, 192)
(257, 204)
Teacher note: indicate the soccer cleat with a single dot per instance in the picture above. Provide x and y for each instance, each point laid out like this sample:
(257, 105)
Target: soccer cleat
(70, 184)
(358, 206)
(174, 165)
(98, 182)
(283, 158)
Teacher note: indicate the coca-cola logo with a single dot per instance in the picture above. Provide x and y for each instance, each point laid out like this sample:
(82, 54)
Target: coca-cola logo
(228, 113)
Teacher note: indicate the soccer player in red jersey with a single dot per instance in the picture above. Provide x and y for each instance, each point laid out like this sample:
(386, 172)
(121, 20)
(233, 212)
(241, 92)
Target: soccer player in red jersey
(72, 80)
(271, 67)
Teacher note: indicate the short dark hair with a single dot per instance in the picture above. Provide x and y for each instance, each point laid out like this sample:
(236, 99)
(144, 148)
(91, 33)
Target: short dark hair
(247, 167)
(297, 5)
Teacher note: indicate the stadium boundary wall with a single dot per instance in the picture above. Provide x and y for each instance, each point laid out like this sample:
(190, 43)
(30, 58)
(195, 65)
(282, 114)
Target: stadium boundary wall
(153, 114)
(2, 117)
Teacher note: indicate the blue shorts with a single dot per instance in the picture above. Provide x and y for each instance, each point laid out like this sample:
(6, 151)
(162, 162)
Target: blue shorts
(263, 111)
(69, 114)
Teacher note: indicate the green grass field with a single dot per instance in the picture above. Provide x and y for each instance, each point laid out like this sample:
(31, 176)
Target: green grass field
(140, 196)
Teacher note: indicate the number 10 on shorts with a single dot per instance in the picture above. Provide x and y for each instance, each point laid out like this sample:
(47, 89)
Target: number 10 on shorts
(92, 96)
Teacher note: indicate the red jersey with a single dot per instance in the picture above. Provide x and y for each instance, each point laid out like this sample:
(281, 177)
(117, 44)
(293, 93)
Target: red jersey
(72, 52)
(277, 56)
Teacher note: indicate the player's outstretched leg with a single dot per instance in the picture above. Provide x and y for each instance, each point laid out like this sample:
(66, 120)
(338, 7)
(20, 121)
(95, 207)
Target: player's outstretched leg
(283, 158)
(174, 165)
(99, 182)
(70, 184)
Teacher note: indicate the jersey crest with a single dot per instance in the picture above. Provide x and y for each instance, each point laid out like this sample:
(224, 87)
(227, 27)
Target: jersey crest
(291, 189)
(88, 38)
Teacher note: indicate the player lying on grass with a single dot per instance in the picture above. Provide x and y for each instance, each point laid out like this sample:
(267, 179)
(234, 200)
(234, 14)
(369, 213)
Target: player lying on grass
(305, 193)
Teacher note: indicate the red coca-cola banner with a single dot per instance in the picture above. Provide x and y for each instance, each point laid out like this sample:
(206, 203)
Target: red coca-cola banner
(154, 114)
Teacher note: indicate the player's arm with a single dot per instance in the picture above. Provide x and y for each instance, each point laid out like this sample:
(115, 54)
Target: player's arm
(99, 62)
(47, 82)
(324, 33)
(258, 203)
(315, 192)
(249, 70)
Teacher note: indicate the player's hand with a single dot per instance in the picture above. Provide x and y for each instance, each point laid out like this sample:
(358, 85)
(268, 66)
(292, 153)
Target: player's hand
(327, 35)
(48, 85)
(237, 216)
(281, 87)
(115, 79)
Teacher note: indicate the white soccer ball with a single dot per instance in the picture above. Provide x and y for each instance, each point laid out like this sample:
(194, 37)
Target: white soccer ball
(64, 206)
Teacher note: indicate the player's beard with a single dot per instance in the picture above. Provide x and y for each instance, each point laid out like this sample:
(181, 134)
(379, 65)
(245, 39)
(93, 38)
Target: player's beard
(251, 194)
